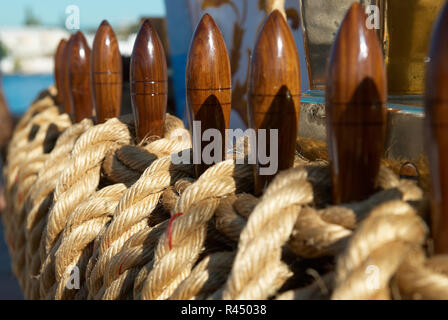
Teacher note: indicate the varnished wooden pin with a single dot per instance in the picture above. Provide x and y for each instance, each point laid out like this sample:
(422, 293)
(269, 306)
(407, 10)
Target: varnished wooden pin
(66, 100)
(409, 171)
(208, 83)
(356, 112)
(58, 74)
(107, 73)
(149, 83)
(81, 92)
(274, 94)
(436, 128)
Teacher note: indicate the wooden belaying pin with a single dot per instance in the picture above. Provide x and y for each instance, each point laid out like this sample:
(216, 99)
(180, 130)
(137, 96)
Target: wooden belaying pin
(436, 129)
(274, 96)
(107, 73)
(149, 83)
(58, 74)
(66, 100)
(208, 86)
(356, 94)
(81, 92)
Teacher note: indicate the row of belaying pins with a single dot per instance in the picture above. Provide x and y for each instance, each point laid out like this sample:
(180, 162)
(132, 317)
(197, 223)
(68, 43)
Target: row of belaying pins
(89, 83)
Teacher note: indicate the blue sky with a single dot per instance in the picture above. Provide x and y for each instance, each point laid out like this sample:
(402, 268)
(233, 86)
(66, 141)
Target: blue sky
(92, 12)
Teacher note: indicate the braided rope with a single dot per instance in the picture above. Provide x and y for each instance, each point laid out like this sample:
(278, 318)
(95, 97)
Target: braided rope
(419, 278)
(27, 176)
(78, 181)
(138, 250)
(24, 163)
(82, 227)
(179, 249)
(258, 272)
(207, 277)
(41, 197)
(131, 214)
(381, 243)
(128, 163)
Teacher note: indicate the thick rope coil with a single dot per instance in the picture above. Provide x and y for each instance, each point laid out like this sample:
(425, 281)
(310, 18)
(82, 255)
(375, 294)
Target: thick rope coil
(78, 181)
(207, 277)
(173, 128)
(178, 249)
(128, 163)
(23, 166)
(26, 178)
(121, 271)
(41, 198)
(36, 108)
(258, 272)
(325, 232)
(18, 153)
(131, 215)
(82, 227)
(419, 278)
(376, 250)
(232, 213)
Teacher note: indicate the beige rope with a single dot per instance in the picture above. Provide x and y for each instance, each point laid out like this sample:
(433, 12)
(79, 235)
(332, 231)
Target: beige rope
(41, 198)
(131, 214)
(207, 277)
(78, 181)
(128, 163)
(121, 271)
(27, 162)
(177, 251)
(82, 227)
(381, 243)
(258, 272)
(419, 278)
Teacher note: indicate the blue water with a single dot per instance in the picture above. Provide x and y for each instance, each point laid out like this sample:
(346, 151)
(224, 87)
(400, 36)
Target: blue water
(20, 90)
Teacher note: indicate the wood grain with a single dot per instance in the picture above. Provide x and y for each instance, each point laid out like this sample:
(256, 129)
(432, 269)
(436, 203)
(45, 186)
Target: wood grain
(66, 100)
(107, 73)
(355, 108)
(436, 128)
(208, 82)
(274, 93)
(149, 83)
(58, 73)
(80, 78)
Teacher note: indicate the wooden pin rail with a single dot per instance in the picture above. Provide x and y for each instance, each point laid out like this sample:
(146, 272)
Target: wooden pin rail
(356, 96)
(149, 83)
(208, 84)
(80, 92)
(66, 100)
(274, 93)
(58, 71)
(107, 74)
(436, 129)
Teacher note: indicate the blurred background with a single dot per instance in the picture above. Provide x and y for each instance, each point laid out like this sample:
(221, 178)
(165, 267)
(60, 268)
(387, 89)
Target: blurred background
(31, 30)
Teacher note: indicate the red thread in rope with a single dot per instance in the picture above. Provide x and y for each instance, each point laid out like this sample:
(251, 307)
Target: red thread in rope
(121, 265)
(169, 227)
